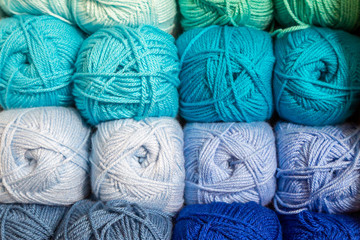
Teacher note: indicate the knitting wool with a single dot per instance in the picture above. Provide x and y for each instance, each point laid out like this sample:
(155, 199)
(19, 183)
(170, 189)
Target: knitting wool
(229, 162)
(29, 221)
(226, 74)
(43, 156)
(37, 60)
(227, 221)
(92, 15)
(118, 220)
(342, 14)
(318, 226)
(127, 73)
(317, 76)
(141, 162)
(318, 168)
(203, 13)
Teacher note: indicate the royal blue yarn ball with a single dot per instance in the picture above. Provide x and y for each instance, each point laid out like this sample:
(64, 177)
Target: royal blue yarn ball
(226, 74)
(220, 220)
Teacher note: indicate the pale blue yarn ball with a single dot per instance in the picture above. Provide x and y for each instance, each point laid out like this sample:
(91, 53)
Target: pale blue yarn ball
(229, 162)
(318, 168)
(37, 61)
(127, 72)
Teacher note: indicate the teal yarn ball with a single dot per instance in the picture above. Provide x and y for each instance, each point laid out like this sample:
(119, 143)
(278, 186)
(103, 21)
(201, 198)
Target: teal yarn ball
(226, 74)
(127, 72)
(37, 61)
(317, 76)
(203, 13)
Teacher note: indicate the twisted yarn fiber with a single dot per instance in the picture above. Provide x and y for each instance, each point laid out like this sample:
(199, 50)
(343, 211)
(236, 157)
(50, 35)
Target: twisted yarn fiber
(318, 168)
(141, 162)
(229, 162)
(226, 74)
(127, 73)
(37, 58)
(43, 156)
(317, 76)
(29, 221)
(227, 221)
(203, 13)
(113, 220)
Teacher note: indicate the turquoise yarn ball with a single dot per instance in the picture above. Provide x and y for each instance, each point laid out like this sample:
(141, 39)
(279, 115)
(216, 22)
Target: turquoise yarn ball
(37, 61)
(317, 76)
(226, 74)
(127, 72)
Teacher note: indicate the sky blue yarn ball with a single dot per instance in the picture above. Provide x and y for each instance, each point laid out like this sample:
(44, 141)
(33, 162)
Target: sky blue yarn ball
(127, 72)
(226, 74)
(37, 61)
(316, 76)
(318, 168)
(29, 221)
(112, 220)
(220, 220)
(229, 162)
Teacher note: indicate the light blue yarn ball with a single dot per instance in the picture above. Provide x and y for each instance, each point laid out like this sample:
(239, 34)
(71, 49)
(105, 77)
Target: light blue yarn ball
(127, 72)
(229, 162)
(318, 168)
(317, 76)
(226, 74)
(43, 156)
(37, 58)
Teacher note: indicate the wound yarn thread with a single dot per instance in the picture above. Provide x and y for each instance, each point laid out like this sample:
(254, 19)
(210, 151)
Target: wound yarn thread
(127, 72)
(229, 162)
(43, 156)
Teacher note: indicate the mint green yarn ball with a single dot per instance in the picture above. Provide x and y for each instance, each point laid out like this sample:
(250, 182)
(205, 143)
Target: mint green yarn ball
(203, 13)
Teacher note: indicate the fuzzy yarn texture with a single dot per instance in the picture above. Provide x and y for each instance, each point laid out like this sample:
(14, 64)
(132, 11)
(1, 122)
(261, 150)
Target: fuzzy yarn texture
(220, 220)
(318, 168)
(119, 220)
(341, 14)
(43, 156)
(139, 161)
(29, 221)
(127, 72)
(317, 76)
(229, 162)
(203, 13)
(37, 61)
(226, 74)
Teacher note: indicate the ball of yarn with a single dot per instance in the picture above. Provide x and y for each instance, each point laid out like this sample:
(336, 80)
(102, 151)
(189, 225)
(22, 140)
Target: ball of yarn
(29, 221)
(318, 168)
(227, 221)
(43, 156)
(229, 162)
(316, 76)
(226, 74)
(37, 60)
(127, 73)
(342, 14)
(92, 15)
(141, 162)
(319, 226)
(113, 220)
(202, 13)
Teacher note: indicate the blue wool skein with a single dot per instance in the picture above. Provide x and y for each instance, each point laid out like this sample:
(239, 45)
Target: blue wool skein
(317, 76)
(229, 162)
(127, 73)
(234, 221)
(37, 58)
(226, 74)
(43, 156)
(118, 220)
(29, 221)
(318, 168)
